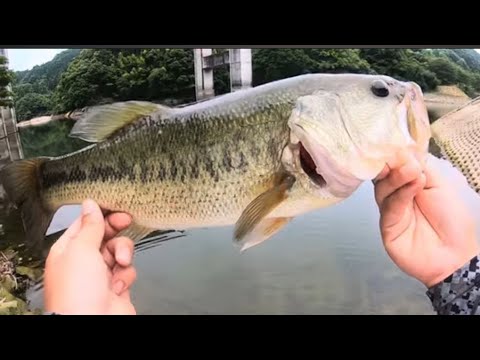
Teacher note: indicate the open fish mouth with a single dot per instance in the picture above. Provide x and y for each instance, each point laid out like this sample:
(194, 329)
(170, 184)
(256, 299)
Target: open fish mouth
(321, 168)
(309, 167)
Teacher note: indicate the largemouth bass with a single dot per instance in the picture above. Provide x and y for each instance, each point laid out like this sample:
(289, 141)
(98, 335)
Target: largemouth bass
(255, 158)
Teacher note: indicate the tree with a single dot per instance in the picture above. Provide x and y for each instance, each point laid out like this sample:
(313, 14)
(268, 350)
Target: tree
(32, 105)
(275, 64)
(338, 60)
(88, 80)
(6, 77)
(97, 76)
(48, 73)
(450, 73)
(403, 64)
(75, 78)
(32, 89)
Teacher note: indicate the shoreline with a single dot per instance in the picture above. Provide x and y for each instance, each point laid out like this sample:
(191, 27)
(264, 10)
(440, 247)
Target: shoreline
(16, 278)
(20, 269)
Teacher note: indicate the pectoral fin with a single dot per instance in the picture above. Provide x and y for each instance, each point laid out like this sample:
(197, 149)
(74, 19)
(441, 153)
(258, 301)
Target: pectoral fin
(263, 231)
(136, 232)
(259, 208)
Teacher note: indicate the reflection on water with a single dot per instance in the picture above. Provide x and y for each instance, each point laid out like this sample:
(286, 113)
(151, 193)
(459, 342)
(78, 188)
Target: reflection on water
(328, 262)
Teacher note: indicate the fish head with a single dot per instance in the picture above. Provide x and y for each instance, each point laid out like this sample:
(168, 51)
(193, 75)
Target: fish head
(345, 133)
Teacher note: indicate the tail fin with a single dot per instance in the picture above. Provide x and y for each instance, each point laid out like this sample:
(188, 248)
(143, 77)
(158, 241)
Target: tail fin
(21, 181)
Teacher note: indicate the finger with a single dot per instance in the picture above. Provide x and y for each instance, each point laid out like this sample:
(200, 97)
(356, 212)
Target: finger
(123, 278)
(116, 222)
(129, 309)
(121, 249)
(382, 175)
(72, 230)
(434, 177)
(124, 307)
(394, 220)
(59, 246)
(108, 258)
(126, 296)
(92, 225)
(396, 179)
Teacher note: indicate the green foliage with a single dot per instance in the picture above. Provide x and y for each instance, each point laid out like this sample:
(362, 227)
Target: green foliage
(32, 105)
(6, 77)
(97, 76)
(221, 80)
(76, 79)
(451, 73)
(403, 64)
(470, 56)
(49, 73)
(468, 59)
(275, 64)
(32, 89)
(89, 80)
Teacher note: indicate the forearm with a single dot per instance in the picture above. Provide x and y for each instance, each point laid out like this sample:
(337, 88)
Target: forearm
(459, 294)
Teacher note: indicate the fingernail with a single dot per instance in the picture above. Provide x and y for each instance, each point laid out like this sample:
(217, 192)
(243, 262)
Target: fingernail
(88, 207)
(118, 287)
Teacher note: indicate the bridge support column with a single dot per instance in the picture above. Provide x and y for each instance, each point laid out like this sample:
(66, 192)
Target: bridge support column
(203, 76)
(10, 144)
(240, 69)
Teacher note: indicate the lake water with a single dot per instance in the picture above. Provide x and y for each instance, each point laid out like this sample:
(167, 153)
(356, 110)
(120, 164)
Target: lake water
(331, 261)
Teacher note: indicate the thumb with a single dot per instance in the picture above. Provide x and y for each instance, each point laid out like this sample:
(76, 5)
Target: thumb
(92, 226)
(394, 220)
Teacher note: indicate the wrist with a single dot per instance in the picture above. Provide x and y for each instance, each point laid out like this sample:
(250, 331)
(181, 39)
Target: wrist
(459, 293)
(454, 265)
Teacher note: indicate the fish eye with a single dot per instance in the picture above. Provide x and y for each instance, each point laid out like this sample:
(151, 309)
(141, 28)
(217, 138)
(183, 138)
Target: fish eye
(380, 88)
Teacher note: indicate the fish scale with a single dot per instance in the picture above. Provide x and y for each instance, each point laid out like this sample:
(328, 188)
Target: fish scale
(221, 156)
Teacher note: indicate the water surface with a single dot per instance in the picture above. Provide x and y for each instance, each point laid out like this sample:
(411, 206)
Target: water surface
(328, 262)
(331, 261)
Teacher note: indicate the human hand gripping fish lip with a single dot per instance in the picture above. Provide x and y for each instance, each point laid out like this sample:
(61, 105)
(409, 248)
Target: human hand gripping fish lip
(417, 133)
(375, 152)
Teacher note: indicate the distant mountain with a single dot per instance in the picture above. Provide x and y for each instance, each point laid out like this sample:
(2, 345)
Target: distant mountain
(33, 89)
(49, 71)
(471, 57)
(467, 58)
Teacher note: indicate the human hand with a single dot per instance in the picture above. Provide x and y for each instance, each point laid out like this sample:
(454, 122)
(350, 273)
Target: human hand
(88, 269)
(427, 231)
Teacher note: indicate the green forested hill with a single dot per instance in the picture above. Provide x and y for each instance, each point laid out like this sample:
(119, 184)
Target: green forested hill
(33, 89)
(77, 78)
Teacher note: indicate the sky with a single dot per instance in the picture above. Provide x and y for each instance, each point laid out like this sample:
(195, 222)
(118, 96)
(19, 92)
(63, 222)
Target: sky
(23, 59)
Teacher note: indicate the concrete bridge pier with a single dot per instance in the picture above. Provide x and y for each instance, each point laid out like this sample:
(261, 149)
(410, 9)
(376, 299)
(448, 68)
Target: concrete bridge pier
(203, 75)
(10, 144)
(239, 62)
(240, 69)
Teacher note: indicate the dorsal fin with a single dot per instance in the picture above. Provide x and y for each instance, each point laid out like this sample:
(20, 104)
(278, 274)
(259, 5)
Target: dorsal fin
(99, 122)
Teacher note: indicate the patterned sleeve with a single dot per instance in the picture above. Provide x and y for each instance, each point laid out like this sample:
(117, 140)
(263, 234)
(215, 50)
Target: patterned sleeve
(459, 294)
